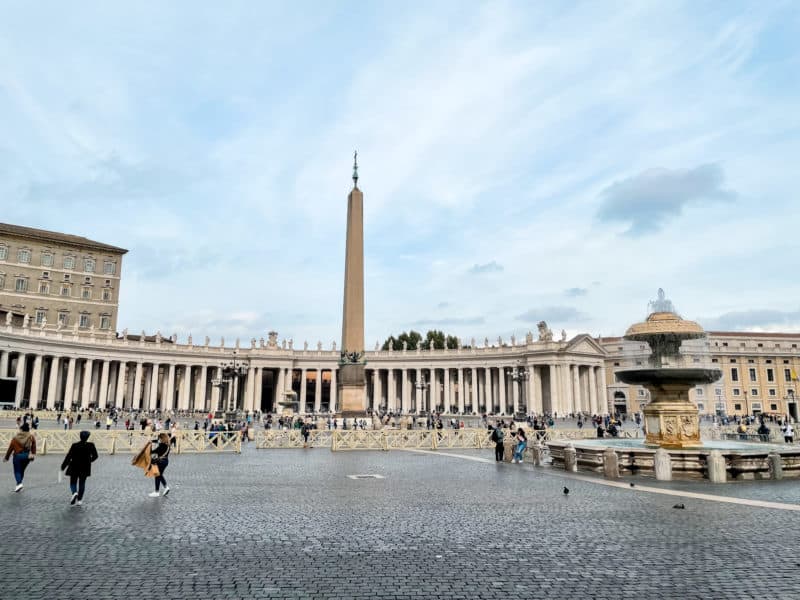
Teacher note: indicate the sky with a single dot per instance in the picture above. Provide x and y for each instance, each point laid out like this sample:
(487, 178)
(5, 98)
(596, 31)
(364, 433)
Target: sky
(520, 161)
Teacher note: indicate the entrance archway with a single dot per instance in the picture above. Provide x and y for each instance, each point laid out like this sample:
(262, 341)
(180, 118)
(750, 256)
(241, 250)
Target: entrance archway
(620, 403)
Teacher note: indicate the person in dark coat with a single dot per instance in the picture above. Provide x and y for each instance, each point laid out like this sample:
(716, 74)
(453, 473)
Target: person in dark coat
(78, 465)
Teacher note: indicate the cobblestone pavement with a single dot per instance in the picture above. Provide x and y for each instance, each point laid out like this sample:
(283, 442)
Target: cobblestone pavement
(291, 524)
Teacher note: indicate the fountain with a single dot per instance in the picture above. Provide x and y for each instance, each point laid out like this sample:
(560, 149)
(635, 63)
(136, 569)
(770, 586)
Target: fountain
(289, 403)
(671, 420)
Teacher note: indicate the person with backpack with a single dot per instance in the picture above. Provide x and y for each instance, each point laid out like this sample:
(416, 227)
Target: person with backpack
(78, 465)
(23, 447)
(497, 438)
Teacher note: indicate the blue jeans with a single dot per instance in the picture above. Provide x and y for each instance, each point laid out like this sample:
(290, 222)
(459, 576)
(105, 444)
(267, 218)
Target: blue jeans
(162, 466)
(77, 485)
(20, 462)
(519, 450)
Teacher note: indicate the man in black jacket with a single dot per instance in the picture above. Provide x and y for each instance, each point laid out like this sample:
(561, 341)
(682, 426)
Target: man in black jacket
(78, 465)
(497, 438)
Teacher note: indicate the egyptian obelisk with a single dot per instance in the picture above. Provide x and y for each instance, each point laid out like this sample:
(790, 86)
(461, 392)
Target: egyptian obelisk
(352, 382)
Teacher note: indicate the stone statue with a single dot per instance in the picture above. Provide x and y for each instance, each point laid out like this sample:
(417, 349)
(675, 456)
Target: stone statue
(513, 340)
(563, 335)
(405, 345)
(545, 333)
(458, 343)
(252, 343)
(499, 341)
(124, 333)
(26, 321)
(333, 346)
(222, 342)
(261, 342)
(319, 346)
(472, 343)
(486, 342)
(237, 343)
(272, 339)
(207, 341)
(661, 304)
(291, 344)
(43, 324)
(158, 337)
(189, 339)
(377, 346)
(143, 335)
(529, 337)
(305, 346)
(174, 338)
(283, 344)
(9, 316)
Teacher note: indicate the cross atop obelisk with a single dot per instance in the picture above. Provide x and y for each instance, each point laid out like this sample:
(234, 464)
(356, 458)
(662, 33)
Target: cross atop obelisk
(352, 382)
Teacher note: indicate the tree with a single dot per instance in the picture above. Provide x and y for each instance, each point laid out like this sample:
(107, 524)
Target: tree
(413, 339)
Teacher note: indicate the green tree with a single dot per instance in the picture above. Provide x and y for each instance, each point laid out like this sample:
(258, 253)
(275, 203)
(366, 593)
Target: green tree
(413, 340)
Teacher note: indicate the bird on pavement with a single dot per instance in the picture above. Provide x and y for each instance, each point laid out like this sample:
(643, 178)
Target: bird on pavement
(566, 490)
(631, 484)
(678, 506)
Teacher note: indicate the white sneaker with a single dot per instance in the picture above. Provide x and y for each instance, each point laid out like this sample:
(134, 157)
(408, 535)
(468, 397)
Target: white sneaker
(74, 498)
(79, 502)
(166, 490)
(154, 494)
(18, 488)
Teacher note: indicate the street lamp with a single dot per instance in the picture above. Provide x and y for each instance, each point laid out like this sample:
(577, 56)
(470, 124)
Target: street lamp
(421, 386)
(519, 375)
(230, 372)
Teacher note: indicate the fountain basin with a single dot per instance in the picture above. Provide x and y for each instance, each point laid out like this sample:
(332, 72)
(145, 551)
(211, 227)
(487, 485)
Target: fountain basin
(666, 376)
(743, 460)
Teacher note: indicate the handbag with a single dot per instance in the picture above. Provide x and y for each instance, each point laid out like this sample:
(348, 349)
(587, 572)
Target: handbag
(152, 471)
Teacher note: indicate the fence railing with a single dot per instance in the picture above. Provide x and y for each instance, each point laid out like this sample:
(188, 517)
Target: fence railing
(57, 441)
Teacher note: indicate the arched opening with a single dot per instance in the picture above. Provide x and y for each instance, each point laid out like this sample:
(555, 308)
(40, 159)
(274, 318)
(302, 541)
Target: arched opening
(620, 403)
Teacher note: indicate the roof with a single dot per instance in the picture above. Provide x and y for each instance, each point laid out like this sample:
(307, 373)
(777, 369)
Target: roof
(61, 238)
(753, 334)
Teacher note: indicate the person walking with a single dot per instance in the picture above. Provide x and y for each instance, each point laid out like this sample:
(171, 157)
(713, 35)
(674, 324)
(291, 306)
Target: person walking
(788, 433)
(23, 447)
(522, 443)
(160, 458)
(78, 466)
(497, 438)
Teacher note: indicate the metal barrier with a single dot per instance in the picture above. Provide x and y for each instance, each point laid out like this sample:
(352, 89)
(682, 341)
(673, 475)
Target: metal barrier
(56, 441)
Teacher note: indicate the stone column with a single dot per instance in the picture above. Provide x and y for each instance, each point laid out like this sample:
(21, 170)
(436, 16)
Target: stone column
(377, 393)
(200, 391)
(530, 392)
(404, 395)
(250, 390)
(215, 390)
(417, 391)
(4, 357)
(119, 396)
(461, 403)
(86, 392)
(95, 385)
(567, 405)
(603, 393)
(318, 391)
(592, 381)
(448, 399)
(36, 382)
(334, 390)
(576, 384)
(391, 391)
(501, 381)
(536, 401)
(103, 397)
(488, 397)
(280, 386)
(473, 390)
(302, 391)
(515, 393)
(137, 386)
(554, 399)
(152, 401)
(20, 375)
(69, 386)
(169, 401)
(259, 388)
(52, 384)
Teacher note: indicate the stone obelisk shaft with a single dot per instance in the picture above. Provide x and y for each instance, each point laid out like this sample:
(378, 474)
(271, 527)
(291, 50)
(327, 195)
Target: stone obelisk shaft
(352, 382)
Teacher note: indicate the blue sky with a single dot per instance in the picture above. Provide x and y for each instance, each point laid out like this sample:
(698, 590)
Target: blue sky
(520, 161)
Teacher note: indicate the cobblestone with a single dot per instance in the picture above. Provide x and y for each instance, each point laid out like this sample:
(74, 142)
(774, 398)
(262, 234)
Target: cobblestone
(291, 524)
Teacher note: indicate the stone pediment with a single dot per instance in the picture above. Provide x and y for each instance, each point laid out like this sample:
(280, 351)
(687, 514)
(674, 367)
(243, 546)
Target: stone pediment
(585, 344)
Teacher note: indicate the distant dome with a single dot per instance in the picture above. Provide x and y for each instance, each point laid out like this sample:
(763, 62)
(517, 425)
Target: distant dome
(664, 323)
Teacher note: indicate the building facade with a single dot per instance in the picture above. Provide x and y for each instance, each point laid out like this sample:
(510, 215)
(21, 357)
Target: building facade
(58, 279)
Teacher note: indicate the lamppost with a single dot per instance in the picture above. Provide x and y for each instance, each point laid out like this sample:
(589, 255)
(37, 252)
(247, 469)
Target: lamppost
(519, 375)
(230, 372)
(421, 386)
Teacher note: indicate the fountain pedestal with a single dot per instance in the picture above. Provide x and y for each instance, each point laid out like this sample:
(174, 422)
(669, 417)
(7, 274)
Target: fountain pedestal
(671, 419)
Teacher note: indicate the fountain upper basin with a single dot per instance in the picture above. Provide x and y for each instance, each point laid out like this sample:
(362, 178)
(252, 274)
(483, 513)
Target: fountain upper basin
(688, 376)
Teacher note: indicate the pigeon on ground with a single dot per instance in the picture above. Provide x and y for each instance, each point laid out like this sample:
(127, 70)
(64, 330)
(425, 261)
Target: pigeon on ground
(566, 490)
(631, 484)
(678, 506)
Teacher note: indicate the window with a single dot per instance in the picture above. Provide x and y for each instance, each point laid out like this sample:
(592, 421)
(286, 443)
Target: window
(21, 285)
(737, 407)
(718, 391)
(105, 322)
(45, 274)
(109, 268)
(770, 375)
(108, 282)
(106, 294)
(63, 318)
(754, 391)
(616, 364)
(24, 256)
(87, 280)
(2, 280)
(773, 407)
(88, 265)
(769, 361)
(733, 361)
(750, 361)
(67, 277)
(714, 360)
(40, 314)
(47, 259)
(44, 288)
(86, 294)
(734, 374)
(84, 321)
(772, 392)
(3, 252)
(642, 393)
(787, 374)
(638, 363)
(786, 361)
(753, 375)
(699, 391)
(65, 290)
(69, 262)
(725, 344)
(736, 392)
(761, 345)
